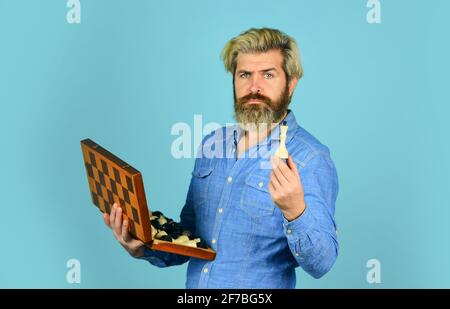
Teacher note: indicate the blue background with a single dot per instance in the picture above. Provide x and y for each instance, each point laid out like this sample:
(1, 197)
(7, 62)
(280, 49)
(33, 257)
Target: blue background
(376, 94)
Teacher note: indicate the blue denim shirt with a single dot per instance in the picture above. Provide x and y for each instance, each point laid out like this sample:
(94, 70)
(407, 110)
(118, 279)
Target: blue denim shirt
(229, 206)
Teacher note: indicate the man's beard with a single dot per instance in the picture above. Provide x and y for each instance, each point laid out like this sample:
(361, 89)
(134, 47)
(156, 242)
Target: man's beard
(260, 116)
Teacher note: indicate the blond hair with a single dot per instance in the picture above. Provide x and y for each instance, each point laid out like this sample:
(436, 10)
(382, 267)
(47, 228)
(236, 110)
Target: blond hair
(262, 40)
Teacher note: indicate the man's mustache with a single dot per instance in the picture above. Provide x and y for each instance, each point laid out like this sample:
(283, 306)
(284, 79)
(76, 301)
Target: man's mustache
(254, 96)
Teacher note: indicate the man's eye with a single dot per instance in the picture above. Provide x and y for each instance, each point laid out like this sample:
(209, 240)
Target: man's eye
(243, 75)
(268, 76)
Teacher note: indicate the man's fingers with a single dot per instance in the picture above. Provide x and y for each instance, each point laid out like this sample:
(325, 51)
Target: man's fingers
(271, 188)
(106, 218)
(135, 244)
(293, 166)
(129, 242)
(125, 234)
(277, 172)
(280, 177)
(112, 215)
(275, 183)
(283, 176)
(287, 172)
(118, 221)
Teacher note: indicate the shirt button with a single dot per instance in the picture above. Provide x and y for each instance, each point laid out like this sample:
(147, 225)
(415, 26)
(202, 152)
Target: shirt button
(213, 241)
(234, 150)
(205, 270)
(229, 179)
(261, 184)
(289, 231)
(220, 210)
(296, 254)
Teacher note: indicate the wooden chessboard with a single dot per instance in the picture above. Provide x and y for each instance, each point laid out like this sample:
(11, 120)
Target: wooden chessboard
(112, 180)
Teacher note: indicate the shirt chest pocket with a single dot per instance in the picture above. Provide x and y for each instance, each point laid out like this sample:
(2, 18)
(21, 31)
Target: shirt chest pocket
(200, 182)
(255, 199)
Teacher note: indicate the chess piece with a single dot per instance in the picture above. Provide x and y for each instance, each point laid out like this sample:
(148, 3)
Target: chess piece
(282, 151)
(166, 238)
(161, 234)
(181, 239)
(192, 243)
(164, 228)
(154, 231)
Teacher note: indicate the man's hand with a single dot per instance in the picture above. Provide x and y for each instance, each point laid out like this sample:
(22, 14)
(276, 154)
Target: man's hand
(285, 188)
(120, 230)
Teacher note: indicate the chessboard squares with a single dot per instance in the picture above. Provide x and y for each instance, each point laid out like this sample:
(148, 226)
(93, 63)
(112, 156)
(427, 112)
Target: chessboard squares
(128, 181)
(113, 186)
(125, 195)
(89, 170)
(95, 199)
(101, 192)
(104, 167)
(117, 175)
(101, 177)
(132, 227)
(109, 184)
(98, 187)
(129, 184)
(92, 159)
(122, 203)
(100, 203)
(110, 197)
(107, 207)
(135, 215)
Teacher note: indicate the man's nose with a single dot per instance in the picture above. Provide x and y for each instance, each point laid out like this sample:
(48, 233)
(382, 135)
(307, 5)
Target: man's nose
(255, 86)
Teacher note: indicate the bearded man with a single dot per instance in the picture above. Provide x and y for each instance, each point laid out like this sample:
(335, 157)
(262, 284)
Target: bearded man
(262, 215)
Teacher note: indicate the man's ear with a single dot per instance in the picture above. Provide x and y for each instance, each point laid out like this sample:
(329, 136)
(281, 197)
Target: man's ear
(292, 85)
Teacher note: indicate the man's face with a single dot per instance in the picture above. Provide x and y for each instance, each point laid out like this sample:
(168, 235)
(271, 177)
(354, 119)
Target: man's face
(261, 91)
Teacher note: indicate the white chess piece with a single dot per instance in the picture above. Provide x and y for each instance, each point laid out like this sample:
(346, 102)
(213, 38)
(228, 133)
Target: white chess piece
(282, 151)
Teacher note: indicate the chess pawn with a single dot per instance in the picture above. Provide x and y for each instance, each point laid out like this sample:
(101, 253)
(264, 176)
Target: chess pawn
(282, 151)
